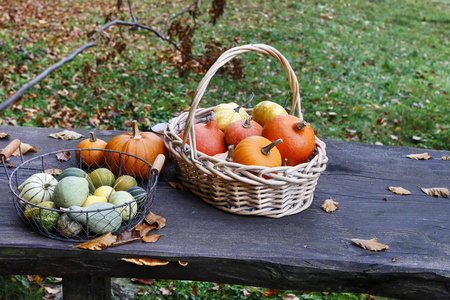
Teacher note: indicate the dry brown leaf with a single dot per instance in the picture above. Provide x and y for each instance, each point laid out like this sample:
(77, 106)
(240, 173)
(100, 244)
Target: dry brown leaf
(329, 205)
(151, 262)
(126, 237)
(420, 156)
(144, 228)
(63, 156)
(183, 263)
(151, 238)
(99, 243)
(52, 291)
(178, 186)
(143, 281)
(4, 135)
(53, 172)
(153, 219)
(66, 135)
(25, 148)
(399, 190)
(436, 192)
(290, 297)
(372, 245)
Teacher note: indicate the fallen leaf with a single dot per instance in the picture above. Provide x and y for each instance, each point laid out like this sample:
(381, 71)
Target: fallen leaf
(372, 245)
(52, 291)
(183, 263)
(143, 281)
(436, 192)
(246, 293)
(99, 243)
(66, 135)
(165, 291)
(4, 135)
(25, 148)
(394, 259)
(53, 172)
(151, 262)
(421, 156)
(152, 219)
(126, 237)
(151, 238)
(144, 228)
(399, 190)
(177, 185)
(290, 297)
(63, 156)
(271, 292)
(329, 205)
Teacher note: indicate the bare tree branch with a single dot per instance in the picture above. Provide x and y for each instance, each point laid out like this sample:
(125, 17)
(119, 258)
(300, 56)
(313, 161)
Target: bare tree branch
(99, 32)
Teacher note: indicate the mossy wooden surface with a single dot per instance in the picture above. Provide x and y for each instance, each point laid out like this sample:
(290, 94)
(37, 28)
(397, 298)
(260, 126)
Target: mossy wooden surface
(309, 251)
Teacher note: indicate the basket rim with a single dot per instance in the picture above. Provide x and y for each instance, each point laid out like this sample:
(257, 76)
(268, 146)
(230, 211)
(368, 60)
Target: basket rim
(153, 173)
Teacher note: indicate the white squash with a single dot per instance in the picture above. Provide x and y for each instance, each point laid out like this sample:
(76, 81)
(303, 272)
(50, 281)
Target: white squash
(38, 188)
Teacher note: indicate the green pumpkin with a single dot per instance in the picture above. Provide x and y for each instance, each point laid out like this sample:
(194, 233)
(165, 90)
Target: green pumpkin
(101, 222)
(127, 211)
(67, 226)
(42, 217)
(71, 191)
(72, 171)
(124, 182)
(139, 194)
(38, 188)
(102, 177)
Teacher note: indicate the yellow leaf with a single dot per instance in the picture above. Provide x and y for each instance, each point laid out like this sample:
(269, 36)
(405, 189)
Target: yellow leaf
(421, 156)
(399, 190)
(99, 243)
(436, 192)
(66, 135)
(25, 148)
(372, 245)
(151, 238)
(151, 262)
(329, 205)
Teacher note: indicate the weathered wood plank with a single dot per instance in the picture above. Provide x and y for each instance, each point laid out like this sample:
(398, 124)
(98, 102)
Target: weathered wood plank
(308, 251)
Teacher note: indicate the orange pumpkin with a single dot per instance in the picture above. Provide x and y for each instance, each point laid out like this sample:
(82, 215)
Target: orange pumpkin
(209, 139)
(239, 130)
(298, 138)
(145, 145)
(91, 158)
(257, 151)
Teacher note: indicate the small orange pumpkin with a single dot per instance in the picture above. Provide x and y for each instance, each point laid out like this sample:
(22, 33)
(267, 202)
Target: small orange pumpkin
(91, 158)
(298, 138)
(257, 151)
(240, 129)
(145, 145)
(209, 139)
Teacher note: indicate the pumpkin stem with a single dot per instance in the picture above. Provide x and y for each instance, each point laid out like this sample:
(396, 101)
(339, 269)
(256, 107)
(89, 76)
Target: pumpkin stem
(266, 149)
(301, 125)
(135, 130)
(92, 137)
(247, 123)
(237, 109)
(230, 153)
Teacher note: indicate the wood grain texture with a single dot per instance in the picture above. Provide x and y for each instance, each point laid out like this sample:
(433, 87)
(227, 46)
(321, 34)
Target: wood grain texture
(309, 251)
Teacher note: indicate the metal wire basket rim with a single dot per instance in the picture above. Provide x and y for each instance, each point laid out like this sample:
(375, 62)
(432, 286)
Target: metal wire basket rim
(10, 183)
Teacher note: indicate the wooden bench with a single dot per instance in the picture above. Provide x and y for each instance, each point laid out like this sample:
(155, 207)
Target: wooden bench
(309, 251)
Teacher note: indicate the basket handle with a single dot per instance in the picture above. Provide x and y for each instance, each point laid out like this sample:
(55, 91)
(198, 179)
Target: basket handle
(158, 164)
(10, 149)
(222, 60)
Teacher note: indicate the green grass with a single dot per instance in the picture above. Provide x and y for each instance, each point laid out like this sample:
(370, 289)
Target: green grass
(369, 71)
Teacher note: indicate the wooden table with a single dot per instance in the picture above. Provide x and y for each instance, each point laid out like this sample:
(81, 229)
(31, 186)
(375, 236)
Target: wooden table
(310, 251)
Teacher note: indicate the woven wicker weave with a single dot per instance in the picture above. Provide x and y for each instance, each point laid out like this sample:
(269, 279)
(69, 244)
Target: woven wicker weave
(236, 188)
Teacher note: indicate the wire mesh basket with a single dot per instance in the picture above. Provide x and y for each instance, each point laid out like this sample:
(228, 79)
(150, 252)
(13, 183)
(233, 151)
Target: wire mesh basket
(77, 223)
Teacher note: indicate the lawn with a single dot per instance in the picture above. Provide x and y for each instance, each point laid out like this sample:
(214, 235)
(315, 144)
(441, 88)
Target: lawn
(369, 71)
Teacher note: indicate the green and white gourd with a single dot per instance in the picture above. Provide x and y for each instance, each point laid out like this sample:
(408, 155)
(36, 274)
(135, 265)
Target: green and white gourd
(38, 188)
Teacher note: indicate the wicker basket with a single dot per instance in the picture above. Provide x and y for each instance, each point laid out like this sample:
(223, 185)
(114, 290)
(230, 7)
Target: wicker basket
(233, 187)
